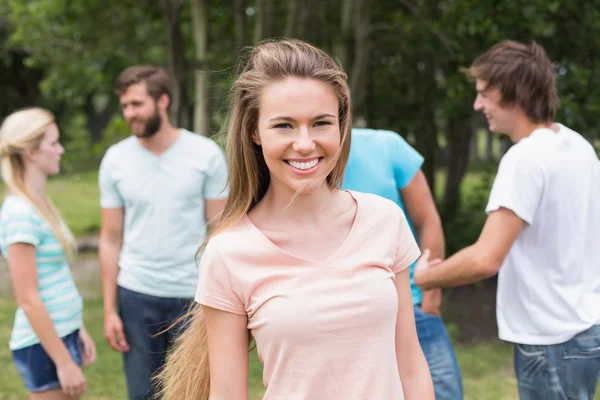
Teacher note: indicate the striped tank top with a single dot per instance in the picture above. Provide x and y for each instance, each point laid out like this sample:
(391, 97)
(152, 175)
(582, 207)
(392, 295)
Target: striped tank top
(20, 223)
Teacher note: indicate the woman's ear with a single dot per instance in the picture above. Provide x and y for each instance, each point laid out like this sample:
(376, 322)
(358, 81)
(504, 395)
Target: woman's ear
(29, 154)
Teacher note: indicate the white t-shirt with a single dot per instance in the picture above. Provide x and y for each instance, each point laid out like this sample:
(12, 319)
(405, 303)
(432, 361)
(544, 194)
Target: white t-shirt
(549, 283)
(163, 198)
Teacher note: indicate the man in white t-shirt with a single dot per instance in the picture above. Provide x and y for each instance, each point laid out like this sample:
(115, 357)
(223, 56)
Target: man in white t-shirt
(542, 231)
(158, 189)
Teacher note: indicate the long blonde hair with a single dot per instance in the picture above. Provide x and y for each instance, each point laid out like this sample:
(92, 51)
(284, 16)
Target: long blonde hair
(22, 130)
(186, 374)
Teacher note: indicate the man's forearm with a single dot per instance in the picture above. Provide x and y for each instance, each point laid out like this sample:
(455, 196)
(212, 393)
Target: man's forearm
(108, 253)
(467, 266)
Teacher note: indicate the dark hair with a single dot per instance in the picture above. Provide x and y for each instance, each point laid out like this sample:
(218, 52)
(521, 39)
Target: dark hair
(524, 75)
(155, 78)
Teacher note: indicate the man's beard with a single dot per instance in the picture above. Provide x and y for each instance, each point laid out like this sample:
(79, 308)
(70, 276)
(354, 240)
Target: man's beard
(152, 126)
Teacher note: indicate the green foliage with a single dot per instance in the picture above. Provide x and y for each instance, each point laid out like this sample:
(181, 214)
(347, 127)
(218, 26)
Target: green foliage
(464, 228)
(78, 155)
(115, 131)
(83, 45)
(65, 55)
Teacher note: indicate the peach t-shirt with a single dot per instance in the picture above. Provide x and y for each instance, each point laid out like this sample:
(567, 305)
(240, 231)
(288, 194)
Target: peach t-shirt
(323, 330)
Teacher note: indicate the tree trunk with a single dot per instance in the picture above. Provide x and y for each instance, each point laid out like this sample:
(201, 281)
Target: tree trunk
(241, 23)
(426, 144)
(201, 74)
(344, 49)
(96, 120)
(327, 30)
(360, 65)
(264, 11)
(176, 63)
(302, 20)
(459, 137)
(291, 19)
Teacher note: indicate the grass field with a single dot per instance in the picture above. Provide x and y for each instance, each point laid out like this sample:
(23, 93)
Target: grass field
(78, 199)
(486, 367)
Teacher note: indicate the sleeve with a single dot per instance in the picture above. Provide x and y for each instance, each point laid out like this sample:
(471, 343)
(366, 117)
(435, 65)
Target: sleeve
(110, 197)
(22, 229)
(216, 183)
(518, 187)
(215, 287)
(407, 250)
(405, 159)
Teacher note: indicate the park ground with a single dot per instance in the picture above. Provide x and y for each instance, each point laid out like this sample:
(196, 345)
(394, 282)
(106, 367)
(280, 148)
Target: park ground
(485, 362)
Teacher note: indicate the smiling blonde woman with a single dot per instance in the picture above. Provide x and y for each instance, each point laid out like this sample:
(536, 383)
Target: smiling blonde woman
(316, 275)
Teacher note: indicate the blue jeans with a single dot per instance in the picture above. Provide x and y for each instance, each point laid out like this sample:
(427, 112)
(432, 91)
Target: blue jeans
(144, 317)
(438, 350)
(565, 371)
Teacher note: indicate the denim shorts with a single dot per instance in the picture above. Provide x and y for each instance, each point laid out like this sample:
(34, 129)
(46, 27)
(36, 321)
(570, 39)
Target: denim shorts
(37, 368)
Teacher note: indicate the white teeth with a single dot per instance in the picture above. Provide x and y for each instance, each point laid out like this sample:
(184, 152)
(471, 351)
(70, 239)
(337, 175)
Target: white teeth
(304, 165)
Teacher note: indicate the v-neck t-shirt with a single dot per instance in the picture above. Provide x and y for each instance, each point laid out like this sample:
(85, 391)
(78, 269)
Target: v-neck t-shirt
(323, 329)
(163, 198)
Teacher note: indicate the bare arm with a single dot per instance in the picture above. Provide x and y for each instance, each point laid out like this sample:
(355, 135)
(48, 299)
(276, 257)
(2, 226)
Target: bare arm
(228, 354)
(414, 372)
(109, 248)
(23, 271)
(478, 261)
(212, 210)
(423, 214)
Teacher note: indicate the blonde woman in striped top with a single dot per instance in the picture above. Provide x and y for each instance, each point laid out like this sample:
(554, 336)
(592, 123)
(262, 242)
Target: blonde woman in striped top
(49, 342)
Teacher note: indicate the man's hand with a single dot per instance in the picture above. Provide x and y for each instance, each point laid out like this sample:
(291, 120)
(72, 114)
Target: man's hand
(431, 303)
(114, 334)
(422, 266)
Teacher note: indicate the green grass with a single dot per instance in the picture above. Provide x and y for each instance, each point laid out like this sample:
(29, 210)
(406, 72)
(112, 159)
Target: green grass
(486, 368)
(78, 199)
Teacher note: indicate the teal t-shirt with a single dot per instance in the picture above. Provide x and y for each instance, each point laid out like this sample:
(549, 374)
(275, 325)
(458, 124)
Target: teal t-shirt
(20, 223)
(163, 198)
(383, 163)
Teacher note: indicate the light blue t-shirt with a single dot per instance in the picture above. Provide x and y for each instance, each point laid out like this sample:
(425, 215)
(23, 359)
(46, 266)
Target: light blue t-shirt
(383, 163)
(163, 198)
(20, 223)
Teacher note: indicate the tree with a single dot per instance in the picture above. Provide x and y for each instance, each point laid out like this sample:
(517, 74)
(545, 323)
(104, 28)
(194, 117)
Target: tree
(81, 47)
(201, 105)
(263, 25)
(176, 62)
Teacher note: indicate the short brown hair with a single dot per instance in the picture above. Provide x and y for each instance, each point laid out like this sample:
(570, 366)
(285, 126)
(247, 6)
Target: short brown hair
(524, 75)
(155, 78)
